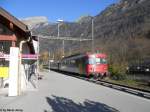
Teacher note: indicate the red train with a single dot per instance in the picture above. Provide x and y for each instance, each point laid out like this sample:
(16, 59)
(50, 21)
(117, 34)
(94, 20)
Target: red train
(84, 64)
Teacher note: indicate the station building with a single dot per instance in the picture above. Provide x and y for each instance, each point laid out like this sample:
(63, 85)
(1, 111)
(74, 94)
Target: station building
(14, 33)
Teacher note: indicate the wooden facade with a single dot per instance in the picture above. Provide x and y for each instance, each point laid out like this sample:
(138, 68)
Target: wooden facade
(12, 32)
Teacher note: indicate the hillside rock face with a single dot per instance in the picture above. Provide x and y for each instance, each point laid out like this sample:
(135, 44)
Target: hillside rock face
(125, 19)
(122, 30)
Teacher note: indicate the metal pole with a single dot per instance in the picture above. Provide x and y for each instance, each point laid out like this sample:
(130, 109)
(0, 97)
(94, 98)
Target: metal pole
(38, 51)
(49, 61)
(93, 35)
(80, 44)
(63, 48)
(59, 21)
(58, 33)
(58, 30)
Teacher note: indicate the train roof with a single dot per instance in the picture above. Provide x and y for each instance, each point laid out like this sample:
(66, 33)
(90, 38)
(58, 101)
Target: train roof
(76, 56)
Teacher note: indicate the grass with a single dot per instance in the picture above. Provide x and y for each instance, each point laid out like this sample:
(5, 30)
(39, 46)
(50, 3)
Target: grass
(131, 83)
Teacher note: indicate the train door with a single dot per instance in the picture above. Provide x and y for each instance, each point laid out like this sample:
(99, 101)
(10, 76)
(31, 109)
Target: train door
(82, 65)
(84, 60)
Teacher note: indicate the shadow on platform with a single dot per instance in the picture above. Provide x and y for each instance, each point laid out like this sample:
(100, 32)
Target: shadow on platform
(60, 104)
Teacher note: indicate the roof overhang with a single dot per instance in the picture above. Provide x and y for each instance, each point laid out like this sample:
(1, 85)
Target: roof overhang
(13, 23)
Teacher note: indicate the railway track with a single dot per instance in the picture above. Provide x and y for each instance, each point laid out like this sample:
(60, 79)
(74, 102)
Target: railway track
(131, 90)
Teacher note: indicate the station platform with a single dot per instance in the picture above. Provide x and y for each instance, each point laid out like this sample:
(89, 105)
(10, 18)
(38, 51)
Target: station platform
(61, 93)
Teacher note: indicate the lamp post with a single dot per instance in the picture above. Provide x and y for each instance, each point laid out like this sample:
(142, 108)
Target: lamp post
(80, 41)
(63, 42)
(59, 21)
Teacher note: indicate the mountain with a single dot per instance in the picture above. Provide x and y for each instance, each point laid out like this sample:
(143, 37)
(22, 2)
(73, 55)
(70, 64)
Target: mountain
(35, 22)
(122, 30)
(116, 20)
(124, 19)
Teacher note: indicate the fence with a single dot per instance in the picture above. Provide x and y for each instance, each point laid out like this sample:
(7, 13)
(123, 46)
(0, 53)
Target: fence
(31, 74)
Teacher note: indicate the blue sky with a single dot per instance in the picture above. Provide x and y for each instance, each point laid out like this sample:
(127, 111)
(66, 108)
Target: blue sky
(68, 10)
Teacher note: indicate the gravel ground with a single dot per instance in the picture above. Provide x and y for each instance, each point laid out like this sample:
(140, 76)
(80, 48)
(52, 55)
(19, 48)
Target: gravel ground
(60, 93)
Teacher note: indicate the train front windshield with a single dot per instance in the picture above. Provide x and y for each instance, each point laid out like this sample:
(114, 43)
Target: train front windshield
(101, 61)
(97, 61)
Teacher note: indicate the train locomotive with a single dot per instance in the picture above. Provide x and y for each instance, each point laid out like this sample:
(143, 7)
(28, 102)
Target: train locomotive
(88, 65)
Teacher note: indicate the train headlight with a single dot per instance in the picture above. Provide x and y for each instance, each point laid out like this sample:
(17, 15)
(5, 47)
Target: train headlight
(127, 68)
(147, 70)
(138, 67)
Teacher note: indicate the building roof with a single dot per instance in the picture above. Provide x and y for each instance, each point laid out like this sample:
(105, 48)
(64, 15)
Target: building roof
(20, 29)
(6, 18)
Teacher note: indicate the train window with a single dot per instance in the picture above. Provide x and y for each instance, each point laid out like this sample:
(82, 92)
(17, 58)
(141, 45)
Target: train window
(98, 60)
(72, 61)
(91, 61)
(101, 61)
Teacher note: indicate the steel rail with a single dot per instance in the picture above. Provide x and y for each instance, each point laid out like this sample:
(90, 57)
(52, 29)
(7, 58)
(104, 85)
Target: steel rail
(128, 89)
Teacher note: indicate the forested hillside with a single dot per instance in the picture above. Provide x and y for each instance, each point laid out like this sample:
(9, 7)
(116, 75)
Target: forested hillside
(122, 31)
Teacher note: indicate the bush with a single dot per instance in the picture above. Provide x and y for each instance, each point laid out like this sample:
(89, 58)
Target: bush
(118, 77)
(116, 72)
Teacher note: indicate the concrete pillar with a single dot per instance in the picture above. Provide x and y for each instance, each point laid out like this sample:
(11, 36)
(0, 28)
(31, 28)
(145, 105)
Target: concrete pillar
(13, 71)
(23, 79)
